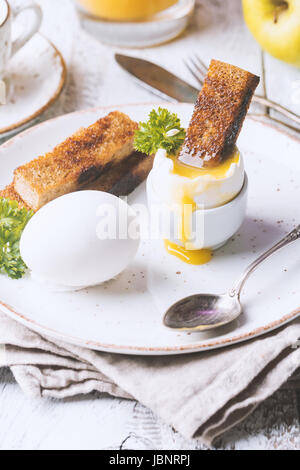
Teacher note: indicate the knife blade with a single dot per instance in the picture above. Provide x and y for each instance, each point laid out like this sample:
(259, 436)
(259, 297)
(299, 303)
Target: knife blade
(157, 80)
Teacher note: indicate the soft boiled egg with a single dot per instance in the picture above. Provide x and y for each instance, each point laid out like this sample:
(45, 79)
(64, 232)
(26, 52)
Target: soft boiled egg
(186, 192)
(176, 182)
(80, 239)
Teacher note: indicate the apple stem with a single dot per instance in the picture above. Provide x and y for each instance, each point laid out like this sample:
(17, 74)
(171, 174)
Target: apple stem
(282, 6)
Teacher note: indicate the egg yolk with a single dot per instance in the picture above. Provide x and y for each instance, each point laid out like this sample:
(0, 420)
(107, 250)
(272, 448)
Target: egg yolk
(188, 256)
(188, 206)
(217, 172)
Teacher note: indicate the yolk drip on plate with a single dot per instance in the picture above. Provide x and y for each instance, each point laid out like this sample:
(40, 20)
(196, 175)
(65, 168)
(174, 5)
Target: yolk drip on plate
(188, 256)
(188, 206)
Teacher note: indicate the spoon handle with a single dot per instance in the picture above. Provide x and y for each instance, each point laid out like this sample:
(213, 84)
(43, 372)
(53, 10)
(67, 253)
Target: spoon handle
(239, 284)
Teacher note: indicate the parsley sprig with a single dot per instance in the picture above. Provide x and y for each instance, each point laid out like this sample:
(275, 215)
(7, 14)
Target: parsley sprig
(162, 130)
(12, 223)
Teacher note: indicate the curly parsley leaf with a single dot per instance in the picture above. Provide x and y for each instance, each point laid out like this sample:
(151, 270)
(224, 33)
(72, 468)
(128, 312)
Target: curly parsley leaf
(162, 130)
(12, 223)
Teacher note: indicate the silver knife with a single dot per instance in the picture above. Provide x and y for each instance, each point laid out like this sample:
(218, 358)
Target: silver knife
(158, 80)
(166, 85)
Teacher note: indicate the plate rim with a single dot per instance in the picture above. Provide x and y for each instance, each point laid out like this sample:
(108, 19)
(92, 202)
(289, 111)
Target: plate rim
(56, 94)
(141, 350)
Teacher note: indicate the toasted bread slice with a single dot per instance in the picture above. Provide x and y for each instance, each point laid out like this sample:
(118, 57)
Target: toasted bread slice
(137, 172)
(77, 161)
(124, 177)
(9, 192)
(218, 116)
(120, 180)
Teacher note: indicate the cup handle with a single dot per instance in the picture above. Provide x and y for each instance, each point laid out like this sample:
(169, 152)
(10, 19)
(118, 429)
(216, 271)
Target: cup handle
(26, 35)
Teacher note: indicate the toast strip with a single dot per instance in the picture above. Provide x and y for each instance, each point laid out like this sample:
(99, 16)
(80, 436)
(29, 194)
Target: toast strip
(120, 180)
(77, 161)
(124, 177)
(218, 116)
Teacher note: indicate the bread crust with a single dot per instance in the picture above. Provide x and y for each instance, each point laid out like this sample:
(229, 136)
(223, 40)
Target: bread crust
(77, 161)
(219, 114)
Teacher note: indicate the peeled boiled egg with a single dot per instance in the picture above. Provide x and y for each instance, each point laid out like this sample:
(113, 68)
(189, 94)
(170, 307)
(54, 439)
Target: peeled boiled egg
(80, 239)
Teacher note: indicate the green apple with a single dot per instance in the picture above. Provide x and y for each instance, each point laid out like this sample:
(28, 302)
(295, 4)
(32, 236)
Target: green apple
(275, 24)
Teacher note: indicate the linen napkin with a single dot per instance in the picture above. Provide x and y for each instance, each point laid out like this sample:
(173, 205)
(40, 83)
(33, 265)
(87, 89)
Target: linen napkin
(201, 395)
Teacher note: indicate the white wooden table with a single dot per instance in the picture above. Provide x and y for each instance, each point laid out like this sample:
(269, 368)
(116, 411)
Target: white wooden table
(95, 422)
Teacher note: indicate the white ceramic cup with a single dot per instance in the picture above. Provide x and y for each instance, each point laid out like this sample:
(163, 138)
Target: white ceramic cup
(8, 47)
(215, 226)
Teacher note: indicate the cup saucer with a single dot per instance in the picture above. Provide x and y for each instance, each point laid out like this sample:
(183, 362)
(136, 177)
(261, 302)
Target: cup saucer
(35, 77)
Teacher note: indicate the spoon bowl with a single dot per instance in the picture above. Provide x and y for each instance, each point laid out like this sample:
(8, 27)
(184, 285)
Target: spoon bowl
(202, 312)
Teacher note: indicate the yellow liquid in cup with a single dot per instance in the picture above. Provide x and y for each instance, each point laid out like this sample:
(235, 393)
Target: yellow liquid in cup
(125, 10)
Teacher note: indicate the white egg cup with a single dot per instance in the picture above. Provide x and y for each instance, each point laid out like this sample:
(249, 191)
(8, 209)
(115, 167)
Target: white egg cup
(218, 224)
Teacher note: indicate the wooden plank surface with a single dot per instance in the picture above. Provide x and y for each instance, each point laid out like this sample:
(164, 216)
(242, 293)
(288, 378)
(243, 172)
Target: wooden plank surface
(95, 422)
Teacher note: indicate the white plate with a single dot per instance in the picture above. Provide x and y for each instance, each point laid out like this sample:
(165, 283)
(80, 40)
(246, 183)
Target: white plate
(35, 76)
(125, 315)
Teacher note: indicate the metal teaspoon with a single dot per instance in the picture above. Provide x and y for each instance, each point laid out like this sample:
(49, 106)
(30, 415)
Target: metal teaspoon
(201, 312)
